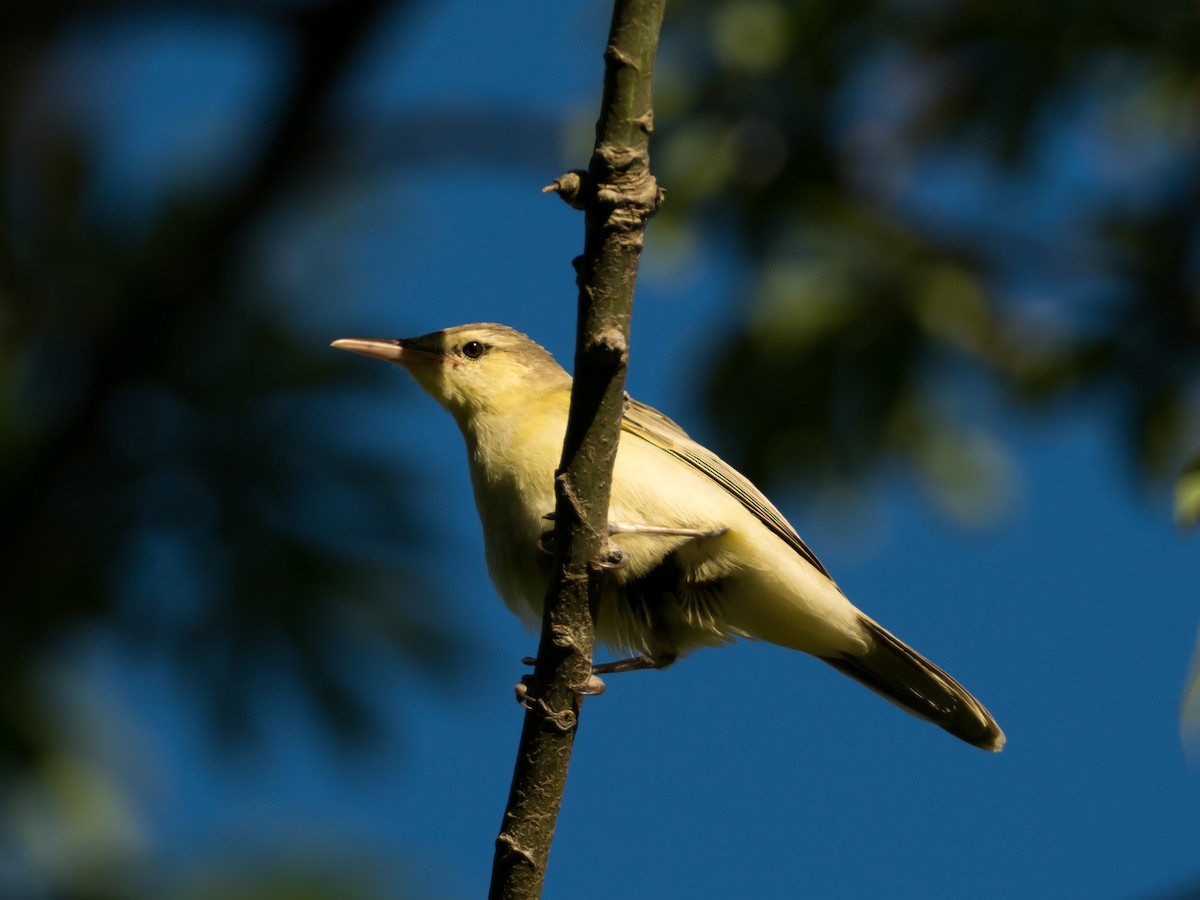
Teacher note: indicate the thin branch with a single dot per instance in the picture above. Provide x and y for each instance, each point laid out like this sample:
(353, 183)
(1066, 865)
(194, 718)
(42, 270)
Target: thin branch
(617, 194)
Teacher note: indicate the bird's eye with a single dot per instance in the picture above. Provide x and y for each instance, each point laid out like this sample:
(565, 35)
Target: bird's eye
(472, 349)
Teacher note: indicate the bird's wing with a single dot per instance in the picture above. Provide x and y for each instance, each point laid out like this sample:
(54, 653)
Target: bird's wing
(650, 425)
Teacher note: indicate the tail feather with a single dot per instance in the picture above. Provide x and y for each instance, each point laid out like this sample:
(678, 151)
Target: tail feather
(900, 674)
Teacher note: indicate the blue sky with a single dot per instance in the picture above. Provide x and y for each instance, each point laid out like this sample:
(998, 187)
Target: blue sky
(748, 770)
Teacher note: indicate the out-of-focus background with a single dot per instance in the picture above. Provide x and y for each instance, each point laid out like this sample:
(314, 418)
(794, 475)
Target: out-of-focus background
(929, 271)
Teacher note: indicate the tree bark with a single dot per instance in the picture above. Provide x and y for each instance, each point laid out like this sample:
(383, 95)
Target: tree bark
(618, 195)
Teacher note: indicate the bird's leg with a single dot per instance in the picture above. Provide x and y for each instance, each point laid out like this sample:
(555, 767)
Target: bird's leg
(616, 558)
(613, 556)
(665, 530)
(546, 541)
(634, 663)
(595, 685)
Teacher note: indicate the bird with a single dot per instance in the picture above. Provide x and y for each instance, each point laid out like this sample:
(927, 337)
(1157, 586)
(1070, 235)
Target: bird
(705, 557)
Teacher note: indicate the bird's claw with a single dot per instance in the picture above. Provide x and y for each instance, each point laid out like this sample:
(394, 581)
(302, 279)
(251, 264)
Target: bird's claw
(521, 690)
(614, 558)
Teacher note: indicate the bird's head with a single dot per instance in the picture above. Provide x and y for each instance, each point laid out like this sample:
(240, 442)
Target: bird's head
(472, 370)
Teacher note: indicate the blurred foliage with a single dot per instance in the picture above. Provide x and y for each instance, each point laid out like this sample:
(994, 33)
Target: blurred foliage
(928, 191)
(1187, 495)
(926, 194)
(1189, 717)
(172, 473)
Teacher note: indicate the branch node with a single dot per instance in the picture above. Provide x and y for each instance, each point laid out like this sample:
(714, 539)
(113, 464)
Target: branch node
(567, 489)
(575, 188)
(611, 342)
(625, 194)
(613, 53)
(619, 160)
(506, 843)
(564, 720)
(563, 635)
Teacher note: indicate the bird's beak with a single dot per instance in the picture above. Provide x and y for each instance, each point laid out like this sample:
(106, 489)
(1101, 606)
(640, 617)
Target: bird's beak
(389, 350)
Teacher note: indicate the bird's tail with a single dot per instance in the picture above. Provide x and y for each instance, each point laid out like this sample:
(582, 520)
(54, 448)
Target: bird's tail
(900, 674)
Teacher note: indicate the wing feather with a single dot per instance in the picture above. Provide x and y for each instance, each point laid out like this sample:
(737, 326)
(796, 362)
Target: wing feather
(647, 423)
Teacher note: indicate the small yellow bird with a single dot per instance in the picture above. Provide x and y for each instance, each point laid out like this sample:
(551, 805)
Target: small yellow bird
(706, 557)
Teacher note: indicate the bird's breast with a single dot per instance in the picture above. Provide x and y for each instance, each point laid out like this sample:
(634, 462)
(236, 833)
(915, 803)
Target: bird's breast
(512, 474)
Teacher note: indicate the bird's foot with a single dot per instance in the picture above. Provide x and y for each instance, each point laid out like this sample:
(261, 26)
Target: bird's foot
(614, 557)
(594, 686)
